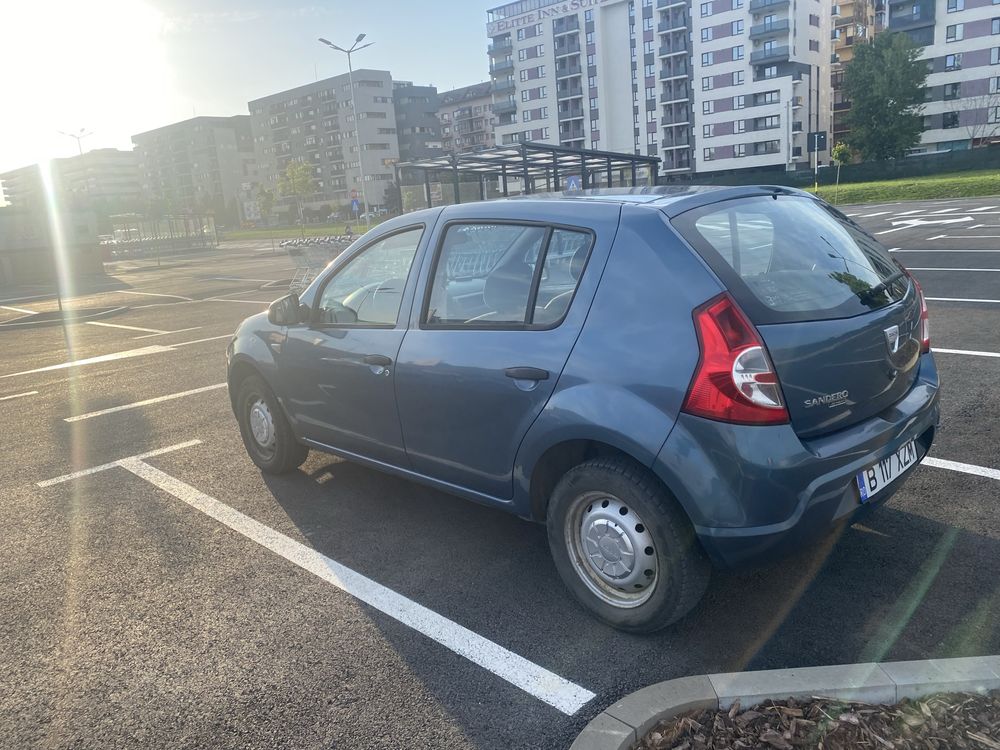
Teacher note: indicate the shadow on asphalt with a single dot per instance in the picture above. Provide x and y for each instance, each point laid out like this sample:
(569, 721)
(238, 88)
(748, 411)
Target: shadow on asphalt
(900, 587)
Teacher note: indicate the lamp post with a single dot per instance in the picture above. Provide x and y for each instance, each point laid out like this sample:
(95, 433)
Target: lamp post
(357, 125)
(78, 136)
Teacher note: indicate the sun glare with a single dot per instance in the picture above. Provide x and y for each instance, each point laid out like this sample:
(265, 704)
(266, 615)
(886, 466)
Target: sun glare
(92, 65)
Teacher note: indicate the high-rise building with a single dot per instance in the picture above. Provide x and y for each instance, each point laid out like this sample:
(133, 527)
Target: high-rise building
(315, 124)
(961, 44)
(417, 127)
(198, 164)
(706, 86)
(853, 23)
(105, 179)
(466, 116)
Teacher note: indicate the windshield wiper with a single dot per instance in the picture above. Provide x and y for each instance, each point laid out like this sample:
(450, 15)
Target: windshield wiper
(883, 286)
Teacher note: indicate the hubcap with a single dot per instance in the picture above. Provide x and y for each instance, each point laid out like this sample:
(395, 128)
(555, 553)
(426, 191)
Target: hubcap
(262, 424)
(612, 549)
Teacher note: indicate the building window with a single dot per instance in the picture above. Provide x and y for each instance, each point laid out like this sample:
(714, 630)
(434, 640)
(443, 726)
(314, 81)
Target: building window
(771, 71)
(738, 77)
(956, 5)
(737, 4)
(741, 126)
(588, 15)
(915, 12)
(740, 150)
(835, 10)
(994, 57)
(737, 27)
(949, 120)
(993, 115)
(954, 33)
(706, 10)
(996, 26)
(708, 107)
(813, 45)
(707, 58)
(592, 80)
(647, 23)
(995, 85)
(708, 154)
(590, 37)
(649, 70)
(813, 20)
(706, 34)
(707, 131)
(739, 102)
(738, 52)
(707, 83)
(954, 62)
(952, 91)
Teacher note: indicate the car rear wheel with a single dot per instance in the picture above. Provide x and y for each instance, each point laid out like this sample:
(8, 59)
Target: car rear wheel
(624, 547)
(265, 431)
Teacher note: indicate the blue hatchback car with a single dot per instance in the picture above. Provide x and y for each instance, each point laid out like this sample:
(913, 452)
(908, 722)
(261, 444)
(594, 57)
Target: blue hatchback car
(667, 378)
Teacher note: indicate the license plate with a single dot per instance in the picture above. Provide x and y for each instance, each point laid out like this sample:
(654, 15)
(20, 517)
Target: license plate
(878, 476)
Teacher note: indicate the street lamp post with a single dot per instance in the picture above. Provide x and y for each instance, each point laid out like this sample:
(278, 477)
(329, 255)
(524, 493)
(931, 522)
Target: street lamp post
(357, 125)
(78, 136)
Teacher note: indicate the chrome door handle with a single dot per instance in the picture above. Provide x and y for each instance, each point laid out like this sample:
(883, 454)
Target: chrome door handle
(526, 373)
(377, 360)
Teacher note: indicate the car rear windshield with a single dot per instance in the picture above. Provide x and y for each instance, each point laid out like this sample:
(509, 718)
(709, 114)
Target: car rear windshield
(788, 258)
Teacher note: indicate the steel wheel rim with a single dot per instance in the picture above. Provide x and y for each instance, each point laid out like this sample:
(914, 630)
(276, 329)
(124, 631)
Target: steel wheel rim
(261, 424)
(611, 550)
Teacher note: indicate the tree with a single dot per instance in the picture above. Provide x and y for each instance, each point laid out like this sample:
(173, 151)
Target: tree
(841, 154)
(265, 199)
(978, 115)
(393, 199)
(885, 85)
(296, 183)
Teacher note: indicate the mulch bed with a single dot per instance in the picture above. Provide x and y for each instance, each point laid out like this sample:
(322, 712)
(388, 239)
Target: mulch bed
(937, 722)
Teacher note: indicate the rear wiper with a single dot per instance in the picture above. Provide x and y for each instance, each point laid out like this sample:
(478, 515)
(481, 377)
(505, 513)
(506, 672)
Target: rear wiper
(879, 288)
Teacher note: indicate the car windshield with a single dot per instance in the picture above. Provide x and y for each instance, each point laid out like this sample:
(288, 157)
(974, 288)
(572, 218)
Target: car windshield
(793, 258)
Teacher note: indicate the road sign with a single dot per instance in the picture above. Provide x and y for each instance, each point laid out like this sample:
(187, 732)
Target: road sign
(817, 141)
(355, 206)
(573, 182)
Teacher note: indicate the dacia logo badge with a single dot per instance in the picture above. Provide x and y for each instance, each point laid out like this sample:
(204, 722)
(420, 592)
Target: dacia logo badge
(892, 338)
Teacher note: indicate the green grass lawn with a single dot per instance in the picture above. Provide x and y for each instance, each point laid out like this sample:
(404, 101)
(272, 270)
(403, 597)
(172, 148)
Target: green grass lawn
(288, 233)
(955, 185)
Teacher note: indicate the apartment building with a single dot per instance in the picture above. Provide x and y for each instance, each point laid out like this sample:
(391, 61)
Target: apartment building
(854, 22)
(706, 86)
(467, 118)
(105, 179)
(761, 82)
(198, 164)
(315, 124)
(961, 41)
(417, 127)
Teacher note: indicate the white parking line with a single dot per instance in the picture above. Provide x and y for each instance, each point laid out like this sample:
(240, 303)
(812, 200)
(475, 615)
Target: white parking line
(147, 402)
(127, 328)
(877, 213)
(945, 210)
(17, 395)
(129, 353)
(112, 464)
(960, 299)
(200, 341)
(535, 680)
(979, 471)
(166, 333)
(910, 213)
(977, 270)
(154, 294)
(968, 352)
(18, 309)
(248, 301)
(982, 208)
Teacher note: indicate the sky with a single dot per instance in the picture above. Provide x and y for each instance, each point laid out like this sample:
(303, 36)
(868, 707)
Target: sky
(119, 67)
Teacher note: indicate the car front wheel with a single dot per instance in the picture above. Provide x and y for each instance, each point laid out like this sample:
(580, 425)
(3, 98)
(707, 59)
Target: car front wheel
(265, 431)
(624, 547)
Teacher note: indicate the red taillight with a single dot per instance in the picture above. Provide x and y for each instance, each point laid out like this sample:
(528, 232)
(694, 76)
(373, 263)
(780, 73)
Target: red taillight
(925, 326)
(735, 380)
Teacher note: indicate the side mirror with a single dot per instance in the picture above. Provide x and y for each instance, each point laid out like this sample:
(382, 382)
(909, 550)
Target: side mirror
(285, 311)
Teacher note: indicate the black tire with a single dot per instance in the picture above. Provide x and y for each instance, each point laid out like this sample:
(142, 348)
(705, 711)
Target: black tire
(681, 570)
(284, 453)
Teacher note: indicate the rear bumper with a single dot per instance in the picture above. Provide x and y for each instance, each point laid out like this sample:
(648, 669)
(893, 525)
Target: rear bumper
(755, 494)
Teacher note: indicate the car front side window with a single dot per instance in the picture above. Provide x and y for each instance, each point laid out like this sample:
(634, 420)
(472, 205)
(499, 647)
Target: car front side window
(368, 290)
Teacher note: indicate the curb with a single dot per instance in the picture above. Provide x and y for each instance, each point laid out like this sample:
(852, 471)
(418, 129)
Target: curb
(623, 723)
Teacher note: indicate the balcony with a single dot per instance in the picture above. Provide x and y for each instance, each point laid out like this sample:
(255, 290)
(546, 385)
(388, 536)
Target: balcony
(501, 48)
(759, 5)
(504, 66)
(766, 147)
(570, 48)
(845, 20)
(568, 92)
(668, 73)
(504, 108)
(769, 29)
(571, 113)
(667, 50)
(501, 87)
(772, 55)
(664, 4)
(565, 25)
(568, 70)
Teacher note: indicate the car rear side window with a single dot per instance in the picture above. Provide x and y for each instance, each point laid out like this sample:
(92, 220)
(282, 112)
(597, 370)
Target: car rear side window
(788, 258)
(488, 275)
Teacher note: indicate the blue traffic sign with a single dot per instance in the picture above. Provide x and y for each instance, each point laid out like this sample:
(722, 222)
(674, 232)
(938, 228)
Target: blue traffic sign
(573, 182)
(355, 205)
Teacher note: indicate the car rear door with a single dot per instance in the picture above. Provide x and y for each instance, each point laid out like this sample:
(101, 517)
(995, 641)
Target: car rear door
(505, 291)
(839, 317)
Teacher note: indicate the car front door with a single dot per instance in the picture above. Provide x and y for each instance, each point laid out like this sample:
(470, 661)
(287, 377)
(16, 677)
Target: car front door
(340, 366)
(503, 301)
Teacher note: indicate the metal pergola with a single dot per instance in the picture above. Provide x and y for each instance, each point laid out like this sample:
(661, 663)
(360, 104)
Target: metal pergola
(532, 163)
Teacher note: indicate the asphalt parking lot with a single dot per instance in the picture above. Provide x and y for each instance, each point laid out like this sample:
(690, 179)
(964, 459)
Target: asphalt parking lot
(158, 591)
